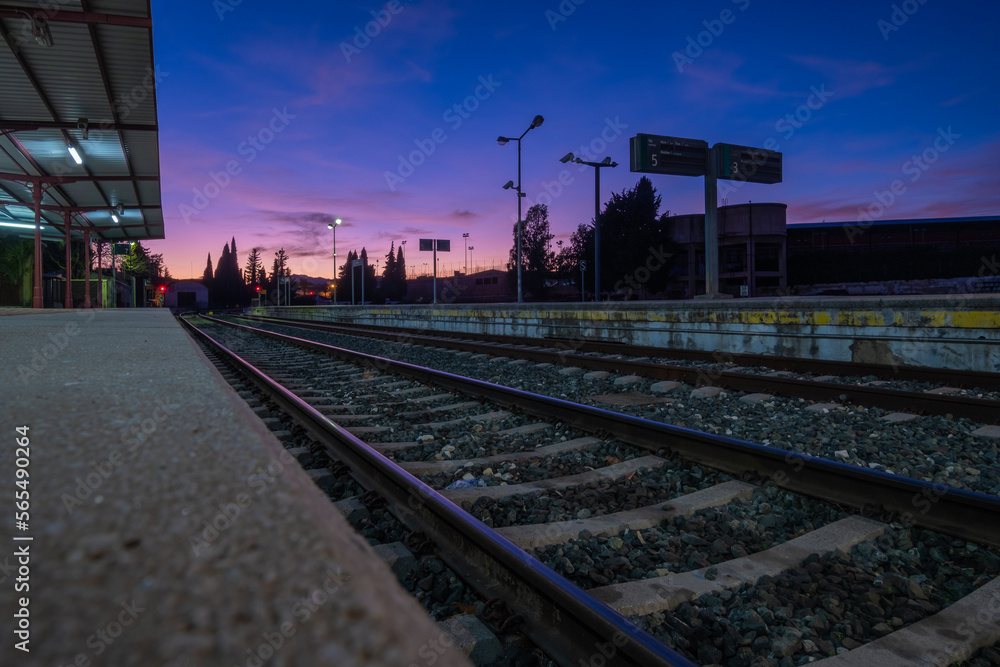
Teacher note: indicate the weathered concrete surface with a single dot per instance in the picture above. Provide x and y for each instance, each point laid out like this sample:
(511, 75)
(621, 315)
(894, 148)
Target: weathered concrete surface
(953, 331)
(651, 595)
(541, 534)
(948, 637)
(170, 527)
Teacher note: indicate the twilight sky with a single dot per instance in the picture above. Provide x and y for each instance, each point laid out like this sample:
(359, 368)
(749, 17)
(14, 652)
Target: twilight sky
(275, 118)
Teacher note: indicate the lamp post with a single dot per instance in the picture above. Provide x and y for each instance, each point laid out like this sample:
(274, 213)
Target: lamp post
(471, 248)
(606, 162)
(333, 225)
(466, 244)
(502, 140)
(403, 243)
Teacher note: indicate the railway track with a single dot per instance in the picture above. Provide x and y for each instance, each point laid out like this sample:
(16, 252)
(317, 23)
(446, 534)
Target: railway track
(830, 381)
(677, 529)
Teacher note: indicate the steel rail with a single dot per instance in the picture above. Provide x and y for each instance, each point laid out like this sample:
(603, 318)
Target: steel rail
(563, 619)
(965, 514)
(977, 409)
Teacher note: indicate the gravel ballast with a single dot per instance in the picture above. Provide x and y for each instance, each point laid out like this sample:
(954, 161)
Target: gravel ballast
(931, 448)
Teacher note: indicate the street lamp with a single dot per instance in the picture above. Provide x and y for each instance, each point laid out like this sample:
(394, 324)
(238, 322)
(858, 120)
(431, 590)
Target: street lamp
(502, 140)
(471, 248)
(466, 244)
(333, 225)
(403, 243)
(606, 162)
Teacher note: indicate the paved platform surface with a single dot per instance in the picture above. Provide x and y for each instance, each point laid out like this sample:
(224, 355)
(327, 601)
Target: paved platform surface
(168, 526)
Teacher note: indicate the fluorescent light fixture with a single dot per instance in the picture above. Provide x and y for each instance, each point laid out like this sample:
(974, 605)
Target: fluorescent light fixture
(76, 156)
(16, 224)
(114, 217)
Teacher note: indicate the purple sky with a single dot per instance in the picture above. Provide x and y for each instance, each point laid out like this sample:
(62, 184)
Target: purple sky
(275, 120)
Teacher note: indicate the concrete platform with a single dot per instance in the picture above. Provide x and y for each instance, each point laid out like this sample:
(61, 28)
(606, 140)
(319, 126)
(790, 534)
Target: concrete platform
(168, 526)
(945, 331)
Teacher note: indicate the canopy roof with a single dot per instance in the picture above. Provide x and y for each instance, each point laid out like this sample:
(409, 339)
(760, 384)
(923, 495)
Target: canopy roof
(79, 74)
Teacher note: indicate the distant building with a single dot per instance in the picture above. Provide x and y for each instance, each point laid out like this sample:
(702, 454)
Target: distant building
(758, 250)
(485, 286)
(489, 285)
(893, 250)
(186, 294)
(751, 251)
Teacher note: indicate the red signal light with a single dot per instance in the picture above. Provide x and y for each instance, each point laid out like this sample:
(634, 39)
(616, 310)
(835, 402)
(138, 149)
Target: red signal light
(163, 288)
(258, 288)
(311, 293)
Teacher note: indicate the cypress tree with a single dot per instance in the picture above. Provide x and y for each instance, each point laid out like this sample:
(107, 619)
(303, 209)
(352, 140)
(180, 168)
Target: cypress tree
(208, 276)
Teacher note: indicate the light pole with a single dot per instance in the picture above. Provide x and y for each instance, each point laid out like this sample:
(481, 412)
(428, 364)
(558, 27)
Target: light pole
(471, 248)
(502, 140)
(333, 225)
(403, 243)
(466, 244)
(569, 157)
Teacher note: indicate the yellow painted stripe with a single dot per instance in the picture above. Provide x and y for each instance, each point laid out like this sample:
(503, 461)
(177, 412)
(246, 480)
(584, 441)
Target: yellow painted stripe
(931, 319)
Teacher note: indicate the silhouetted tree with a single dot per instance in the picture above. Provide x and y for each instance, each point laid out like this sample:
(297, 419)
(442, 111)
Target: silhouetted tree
(393, 275)
(635, 253)
(278, 268)
(537, 258)
(254, 272)
(208, 276)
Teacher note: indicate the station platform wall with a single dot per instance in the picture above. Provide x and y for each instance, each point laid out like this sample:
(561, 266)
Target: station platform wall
(954, 331)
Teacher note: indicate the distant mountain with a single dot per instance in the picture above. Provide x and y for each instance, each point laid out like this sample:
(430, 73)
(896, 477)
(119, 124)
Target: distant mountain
(318, 281)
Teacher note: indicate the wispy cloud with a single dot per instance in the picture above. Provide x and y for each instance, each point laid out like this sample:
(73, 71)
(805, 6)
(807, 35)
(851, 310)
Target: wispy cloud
(851, 77)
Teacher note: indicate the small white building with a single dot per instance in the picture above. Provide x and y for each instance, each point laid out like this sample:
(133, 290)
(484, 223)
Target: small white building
(186, 294)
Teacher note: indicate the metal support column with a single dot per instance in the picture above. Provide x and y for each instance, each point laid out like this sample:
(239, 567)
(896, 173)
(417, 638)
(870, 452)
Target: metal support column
(597, 234)
(100, 274)
(711, 228)
(86, 269)
(36, 194)
(68, 298)
(520, 223)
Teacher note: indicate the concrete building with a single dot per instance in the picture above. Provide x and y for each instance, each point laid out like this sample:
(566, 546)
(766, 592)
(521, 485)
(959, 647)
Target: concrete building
(186, 294)
(751, 251)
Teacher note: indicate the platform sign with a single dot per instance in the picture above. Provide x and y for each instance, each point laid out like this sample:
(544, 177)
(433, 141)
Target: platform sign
(122, 248)
(431, 244)
(744, 163)
(656, 154)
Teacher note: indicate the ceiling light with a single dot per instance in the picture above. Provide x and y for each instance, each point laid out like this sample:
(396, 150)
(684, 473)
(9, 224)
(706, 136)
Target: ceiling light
(76, 156)
(41, 32)
(39, 29)
(16, 224)
(114, 217)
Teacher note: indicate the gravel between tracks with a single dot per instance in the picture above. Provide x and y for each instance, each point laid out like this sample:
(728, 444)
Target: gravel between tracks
(930, 448)
(827, 605)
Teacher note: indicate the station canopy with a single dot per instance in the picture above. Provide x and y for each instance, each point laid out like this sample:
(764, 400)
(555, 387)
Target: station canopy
(79, 74)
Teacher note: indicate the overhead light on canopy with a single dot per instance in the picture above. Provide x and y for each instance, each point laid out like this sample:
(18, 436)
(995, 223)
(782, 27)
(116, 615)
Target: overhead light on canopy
(76, 156)
(39, 29)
